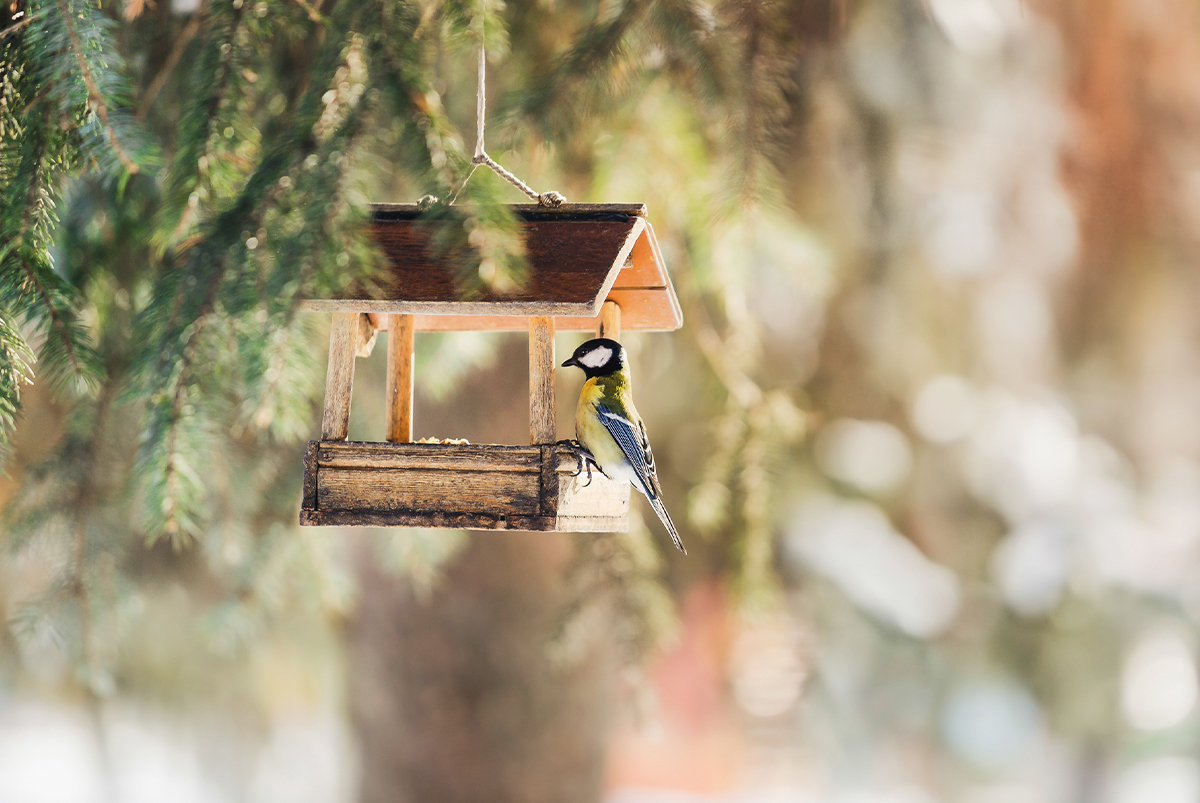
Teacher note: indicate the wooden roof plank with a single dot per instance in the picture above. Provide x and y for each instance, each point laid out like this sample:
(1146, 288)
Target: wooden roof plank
(579, 256)
(567, 210)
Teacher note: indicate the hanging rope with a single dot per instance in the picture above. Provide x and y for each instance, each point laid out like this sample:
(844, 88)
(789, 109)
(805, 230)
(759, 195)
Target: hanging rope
(550, 198)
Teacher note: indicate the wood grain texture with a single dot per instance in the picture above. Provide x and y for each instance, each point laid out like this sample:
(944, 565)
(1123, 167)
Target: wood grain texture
(366, 336)
(541, 380)
(643, 309)
(393, 518)
(548, 481)
(463, 521)
(459, 308)
(581, 524)
(570, 262)
(339, 376)
(399, 381)
(642, 287)
(610, 321)
(646, 266)
(430, 456)
(568, 524)
(603, 497)
(412, 211)
(309, 498)
(492, 492)
(573, 260)
(457, 486)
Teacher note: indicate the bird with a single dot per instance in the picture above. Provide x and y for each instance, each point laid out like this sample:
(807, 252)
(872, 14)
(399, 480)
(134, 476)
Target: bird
(608, 427)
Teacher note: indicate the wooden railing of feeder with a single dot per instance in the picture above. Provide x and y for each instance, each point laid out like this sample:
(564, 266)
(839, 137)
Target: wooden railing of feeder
(592, 267)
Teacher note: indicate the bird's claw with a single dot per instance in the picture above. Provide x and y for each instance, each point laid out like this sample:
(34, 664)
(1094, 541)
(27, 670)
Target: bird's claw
(583, 459)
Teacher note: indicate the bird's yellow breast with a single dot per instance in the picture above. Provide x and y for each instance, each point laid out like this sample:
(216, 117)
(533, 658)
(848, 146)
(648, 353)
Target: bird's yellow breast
(588, 428)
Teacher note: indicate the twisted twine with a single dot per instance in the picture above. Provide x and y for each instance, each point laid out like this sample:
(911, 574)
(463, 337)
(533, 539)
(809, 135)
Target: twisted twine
(549, 198)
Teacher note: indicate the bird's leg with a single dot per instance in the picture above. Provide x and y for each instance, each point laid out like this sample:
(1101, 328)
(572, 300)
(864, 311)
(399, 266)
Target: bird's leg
(588, 462)
(583, 459)
(577, 451)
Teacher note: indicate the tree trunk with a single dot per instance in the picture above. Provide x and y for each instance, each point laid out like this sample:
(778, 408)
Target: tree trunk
(454, 697)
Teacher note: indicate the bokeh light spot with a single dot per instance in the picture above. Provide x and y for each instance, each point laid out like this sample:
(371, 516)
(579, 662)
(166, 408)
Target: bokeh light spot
(873, 456)
(991, 723)
(945, 409)
(1158, 684)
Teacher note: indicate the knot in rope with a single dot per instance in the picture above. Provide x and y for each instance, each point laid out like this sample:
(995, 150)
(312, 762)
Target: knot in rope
(549, 199)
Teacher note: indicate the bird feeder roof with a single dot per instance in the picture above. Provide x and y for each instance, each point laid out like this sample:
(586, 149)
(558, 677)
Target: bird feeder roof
(579, 256)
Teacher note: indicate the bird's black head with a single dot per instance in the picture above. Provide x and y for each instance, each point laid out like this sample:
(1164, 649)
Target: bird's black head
(599, 357)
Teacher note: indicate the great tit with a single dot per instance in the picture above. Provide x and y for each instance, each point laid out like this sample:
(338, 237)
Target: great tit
(609, 427)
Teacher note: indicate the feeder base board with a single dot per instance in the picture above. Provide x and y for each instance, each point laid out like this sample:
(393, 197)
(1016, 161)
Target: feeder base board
(464, 521)
(457, 486)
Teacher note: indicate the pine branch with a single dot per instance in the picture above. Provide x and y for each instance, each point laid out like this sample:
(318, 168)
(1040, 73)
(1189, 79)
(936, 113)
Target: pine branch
(16, 26)
(59, 325)
(164, 73)
(28, 284)
(97, 99)
(559, 99)
(753, 133)
(207, 275)
(16, 369)
(484, 246)
(697, 51)
(215, 78)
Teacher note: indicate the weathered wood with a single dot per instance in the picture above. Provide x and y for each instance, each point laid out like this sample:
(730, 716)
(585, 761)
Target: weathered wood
(568, 524)
(430, 456)
(548, 481)
(646, 267)
(463, 521)
(610, 321)
(395, 518)
(526, 210)
(458, 308)
(652, 311)
(339, 377)
(366, 336)
(309, 497)
(399, 382)
(601, 497)
(572, 265)
(493, 492)
(541, 381)
(643, 309)
(457, 485)
(642, 288)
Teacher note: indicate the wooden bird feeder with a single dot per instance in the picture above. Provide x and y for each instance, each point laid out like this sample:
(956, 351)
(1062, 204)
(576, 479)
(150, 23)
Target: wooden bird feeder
(592, 267)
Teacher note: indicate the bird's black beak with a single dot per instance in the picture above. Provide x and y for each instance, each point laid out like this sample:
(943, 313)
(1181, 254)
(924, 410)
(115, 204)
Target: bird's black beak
(569, 362)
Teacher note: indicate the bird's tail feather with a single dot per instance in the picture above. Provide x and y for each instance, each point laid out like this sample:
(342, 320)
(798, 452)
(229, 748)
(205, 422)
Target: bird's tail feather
(665, 518)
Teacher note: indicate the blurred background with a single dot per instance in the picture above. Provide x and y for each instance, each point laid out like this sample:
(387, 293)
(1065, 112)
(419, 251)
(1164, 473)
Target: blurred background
(930, 428)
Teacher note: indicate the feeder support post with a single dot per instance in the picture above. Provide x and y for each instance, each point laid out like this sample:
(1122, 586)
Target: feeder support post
(366, 336)
(339, 378)
(400, 379)
(541, 380)
(610, 321)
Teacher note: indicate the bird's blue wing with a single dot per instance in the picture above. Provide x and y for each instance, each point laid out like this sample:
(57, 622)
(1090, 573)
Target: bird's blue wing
(632, 439)
(635, 445)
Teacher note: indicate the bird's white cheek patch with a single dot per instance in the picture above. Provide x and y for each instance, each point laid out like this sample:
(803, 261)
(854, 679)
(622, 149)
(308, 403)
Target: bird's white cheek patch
(596, 357)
